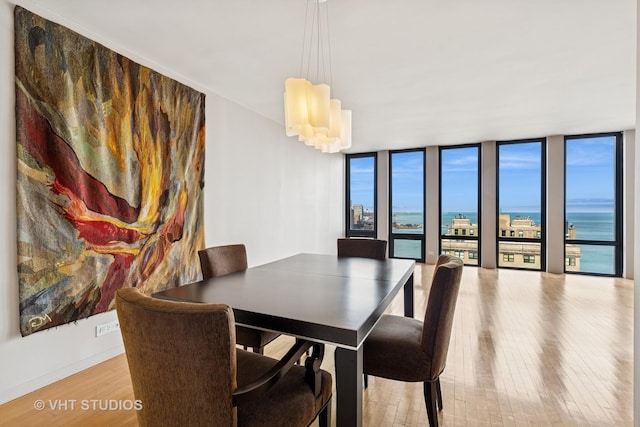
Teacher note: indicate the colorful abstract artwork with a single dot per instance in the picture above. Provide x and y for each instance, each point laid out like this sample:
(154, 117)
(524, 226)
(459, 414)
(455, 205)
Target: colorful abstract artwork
(110, 170)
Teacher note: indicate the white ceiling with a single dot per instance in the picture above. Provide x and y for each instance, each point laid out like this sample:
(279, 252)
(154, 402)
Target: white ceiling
(414, 72)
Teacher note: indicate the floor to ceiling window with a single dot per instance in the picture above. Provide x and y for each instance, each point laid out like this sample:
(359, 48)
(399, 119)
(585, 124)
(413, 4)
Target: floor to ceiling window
(459, 202)
(521, 208)
(406, 193)
(361, 195)
(593, 204)
(592, 224)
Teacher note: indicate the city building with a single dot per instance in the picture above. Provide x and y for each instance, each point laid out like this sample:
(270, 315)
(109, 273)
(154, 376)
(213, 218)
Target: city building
(518, 254)
(357, 216)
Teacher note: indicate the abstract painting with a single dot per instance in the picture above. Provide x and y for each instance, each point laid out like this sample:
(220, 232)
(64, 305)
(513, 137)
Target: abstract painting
(110, 175)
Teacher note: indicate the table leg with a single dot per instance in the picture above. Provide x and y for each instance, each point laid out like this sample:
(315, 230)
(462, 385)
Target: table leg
(408, 297)
(348, 387)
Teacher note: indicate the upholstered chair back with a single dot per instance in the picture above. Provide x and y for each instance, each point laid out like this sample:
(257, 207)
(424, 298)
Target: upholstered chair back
(438, 320)
(363, 248)
(160, 337)
(221, 260)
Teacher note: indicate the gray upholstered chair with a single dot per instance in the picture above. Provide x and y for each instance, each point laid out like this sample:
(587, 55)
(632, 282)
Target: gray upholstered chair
(187, 371)
(406, 349)
(364, 248)
(221, 260)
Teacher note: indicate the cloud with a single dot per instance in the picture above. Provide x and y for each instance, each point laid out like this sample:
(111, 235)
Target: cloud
(590, 151)
(520, 161)
(361, 170)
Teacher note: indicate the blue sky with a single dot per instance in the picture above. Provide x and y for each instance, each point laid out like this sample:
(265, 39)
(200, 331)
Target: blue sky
(520, 177)
(459, 179)
(362, 184)
(589, 186)
(407, 176)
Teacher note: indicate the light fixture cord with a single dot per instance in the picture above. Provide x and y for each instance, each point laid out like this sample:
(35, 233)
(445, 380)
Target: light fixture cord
(313, 22)
(316, 20)
(329, 48)
(304, 40)
(320, 54)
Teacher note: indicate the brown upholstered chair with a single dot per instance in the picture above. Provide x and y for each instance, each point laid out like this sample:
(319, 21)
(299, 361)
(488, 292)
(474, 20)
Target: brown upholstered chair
(221, 260)
(406, 349)
(364, 248)
(187, 371)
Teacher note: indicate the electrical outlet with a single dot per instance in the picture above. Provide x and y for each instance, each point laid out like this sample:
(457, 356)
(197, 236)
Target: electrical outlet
(107, 328)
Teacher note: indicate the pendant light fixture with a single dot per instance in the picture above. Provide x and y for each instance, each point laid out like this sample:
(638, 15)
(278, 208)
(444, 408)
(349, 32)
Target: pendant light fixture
(309, 111)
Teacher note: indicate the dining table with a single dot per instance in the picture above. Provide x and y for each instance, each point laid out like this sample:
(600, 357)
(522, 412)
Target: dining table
(322, 298)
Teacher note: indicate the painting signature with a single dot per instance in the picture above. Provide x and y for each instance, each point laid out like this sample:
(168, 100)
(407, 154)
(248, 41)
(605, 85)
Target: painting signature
(37, 321)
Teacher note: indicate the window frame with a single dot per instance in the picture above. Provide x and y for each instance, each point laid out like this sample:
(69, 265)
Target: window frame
(457, 236)
(543, 206)
(408, 236)
(618, 216)
(360, 233)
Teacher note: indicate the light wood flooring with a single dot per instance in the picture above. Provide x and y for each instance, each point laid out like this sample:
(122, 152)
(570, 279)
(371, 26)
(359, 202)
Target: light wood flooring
(528, 348)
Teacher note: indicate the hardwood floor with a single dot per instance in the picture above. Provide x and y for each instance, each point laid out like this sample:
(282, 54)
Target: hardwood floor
(528, 348)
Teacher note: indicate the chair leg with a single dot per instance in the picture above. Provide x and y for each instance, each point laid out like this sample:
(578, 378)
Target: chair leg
(430, 396)
(366, 380)
(440, 404)
(324, 418)
(258, 350)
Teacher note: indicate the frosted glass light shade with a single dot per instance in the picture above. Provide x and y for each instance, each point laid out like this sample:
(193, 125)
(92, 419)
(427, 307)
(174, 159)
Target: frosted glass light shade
(306, 133)
(319, 106)
(335, 119)
(296, 110)
(327, 143)
(345, 136)
(316, 119)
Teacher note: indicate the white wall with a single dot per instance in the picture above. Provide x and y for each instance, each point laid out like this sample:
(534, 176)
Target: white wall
(261, 188)
(272, 193)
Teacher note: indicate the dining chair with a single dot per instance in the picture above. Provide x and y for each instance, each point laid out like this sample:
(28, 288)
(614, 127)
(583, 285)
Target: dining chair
(364, 248)
(407, 349)
(187, 371)
(222, 260)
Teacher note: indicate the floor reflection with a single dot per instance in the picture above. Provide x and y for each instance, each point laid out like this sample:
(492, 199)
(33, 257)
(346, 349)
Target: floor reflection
(533, 348)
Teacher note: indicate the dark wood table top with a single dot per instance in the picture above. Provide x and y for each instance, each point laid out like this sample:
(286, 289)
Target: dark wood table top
(320, 297)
